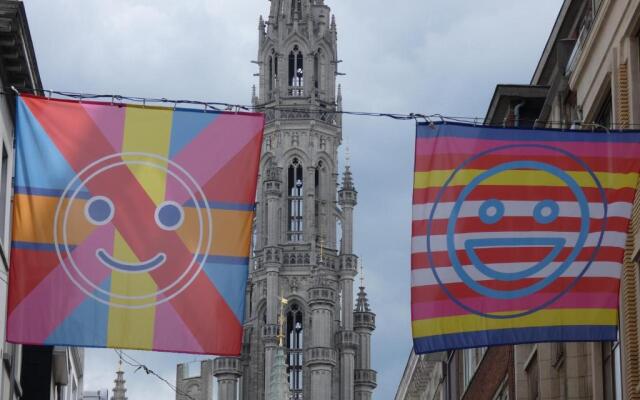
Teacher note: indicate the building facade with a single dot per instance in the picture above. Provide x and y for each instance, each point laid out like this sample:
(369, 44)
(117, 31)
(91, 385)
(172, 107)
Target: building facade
(27, 372)
(587, 78)
(303, 232)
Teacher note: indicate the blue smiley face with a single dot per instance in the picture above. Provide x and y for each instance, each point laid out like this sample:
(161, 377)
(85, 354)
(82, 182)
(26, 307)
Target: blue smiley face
(100, 210)
(499, 234)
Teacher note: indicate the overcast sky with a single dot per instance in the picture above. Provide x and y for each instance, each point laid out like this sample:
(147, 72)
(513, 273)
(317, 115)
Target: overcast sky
(422, 56)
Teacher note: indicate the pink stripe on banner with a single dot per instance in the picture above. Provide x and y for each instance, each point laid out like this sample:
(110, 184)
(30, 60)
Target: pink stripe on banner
(212, 149)
(454, 145)
(110, 121)
(448, 308)
(56, 297)
(171, 333)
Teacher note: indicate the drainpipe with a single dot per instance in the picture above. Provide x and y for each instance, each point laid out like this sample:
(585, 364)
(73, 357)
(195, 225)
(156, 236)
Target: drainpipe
(516, 113)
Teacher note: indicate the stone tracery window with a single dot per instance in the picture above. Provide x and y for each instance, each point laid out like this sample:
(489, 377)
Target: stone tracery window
(296, 8)
(316, 69)
(295, 346)
(296, 72)
(296, 201)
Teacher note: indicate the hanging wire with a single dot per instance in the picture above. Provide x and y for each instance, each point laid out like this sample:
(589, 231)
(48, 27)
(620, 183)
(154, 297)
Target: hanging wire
(132, 362)
(217, 106)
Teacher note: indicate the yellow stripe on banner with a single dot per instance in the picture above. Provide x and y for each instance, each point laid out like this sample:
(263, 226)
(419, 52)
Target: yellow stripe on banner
(474, 323)
(148, 130)
(130, 328)
(232, 231)
(437, 178)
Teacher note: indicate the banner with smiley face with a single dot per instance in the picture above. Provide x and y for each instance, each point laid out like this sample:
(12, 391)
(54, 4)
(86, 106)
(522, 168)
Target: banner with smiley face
(518, 235)
(131, 226)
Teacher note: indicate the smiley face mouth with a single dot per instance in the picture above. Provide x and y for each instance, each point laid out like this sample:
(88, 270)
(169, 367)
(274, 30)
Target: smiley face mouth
(556, 245)
(144, 266)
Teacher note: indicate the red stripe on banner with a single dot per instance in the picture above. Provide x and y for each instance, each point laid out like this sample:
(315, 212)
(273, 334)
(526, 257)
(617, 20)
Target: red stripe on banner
(424, 294)
(30, 267)
(524, 254)
(518, 224)
(202, 302)
(452, 161)
(506, 193)
(223, 185)
(76, 136)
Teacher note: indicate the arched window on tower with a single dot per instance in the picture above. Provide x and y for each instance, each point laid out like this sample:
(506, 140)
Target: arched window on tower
(296, 8)
(295, 345)
(296, 201)
(270, 74)
(316, 69)
(318, 202)
(296, 72)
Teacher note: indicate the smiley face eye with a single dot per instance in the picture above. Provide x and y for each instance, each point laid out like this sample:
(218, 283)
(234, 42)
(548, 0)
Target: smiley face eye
(99, 210)
(546, 211)
(169, 215)
(491, 211)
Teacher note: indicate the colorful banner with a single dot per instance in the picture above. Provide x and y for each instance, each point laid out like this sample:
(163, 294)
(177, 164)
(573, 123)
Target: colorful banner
(518, 235)
(131, 226)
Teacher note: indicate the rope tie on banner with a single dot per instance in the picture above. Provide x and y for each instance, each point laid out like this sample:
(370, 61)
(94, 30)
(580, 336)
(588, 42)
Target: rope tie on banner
(120, 100)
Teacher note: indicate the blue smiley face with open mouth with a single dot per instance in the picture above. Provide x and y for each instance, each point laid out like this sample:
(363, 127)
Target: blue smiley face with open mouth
(492, 211)
(100, 210)
(490, 235)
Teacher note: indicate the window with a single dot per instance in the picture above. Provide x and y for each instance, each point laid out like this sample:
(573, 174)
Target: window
(296, 201)
(295, 337)
(316, 69)
(533, 385)
(318, 201)
(470, 360)
(270, 73)
(604, 117)
(296, 72)
(296, 8)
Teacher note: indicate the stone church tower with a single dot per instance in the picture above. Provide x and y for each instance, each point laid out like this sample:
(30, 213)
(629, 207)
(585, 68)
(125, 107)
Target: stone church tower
(303, 239)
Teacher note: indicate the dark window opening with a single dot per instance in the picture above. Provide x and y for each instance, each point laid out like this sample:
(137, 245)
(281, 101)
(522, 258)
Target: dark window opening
(296, 201)
(296, 72)
(270, 73)
(316, 70)
(295, 345)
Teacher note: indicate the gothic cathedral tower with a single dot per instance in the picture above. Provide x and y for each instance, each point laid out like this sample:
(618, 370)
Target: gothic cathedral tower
(303, 244)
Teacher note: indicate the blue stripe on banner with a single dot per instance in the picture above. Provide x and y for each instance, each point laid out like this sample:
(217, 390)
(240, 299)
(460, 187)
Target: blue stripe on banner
(584, 333)
(222, 205)
(87, 324)
(227, 260)
(231, 282)
(49, 192)
(38, 246)
(453, 129)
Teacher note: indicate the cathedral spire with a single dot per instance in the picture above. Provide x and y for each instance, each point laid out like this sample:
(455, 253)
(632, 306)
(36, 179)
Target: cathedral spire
(119, 390)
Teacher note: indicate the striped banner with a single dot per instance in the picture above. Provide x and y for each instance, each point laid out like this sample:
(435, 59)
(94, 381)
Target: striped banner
(518, 236)
(131, 226)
